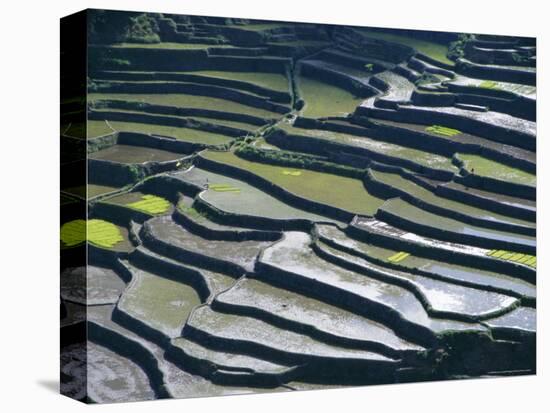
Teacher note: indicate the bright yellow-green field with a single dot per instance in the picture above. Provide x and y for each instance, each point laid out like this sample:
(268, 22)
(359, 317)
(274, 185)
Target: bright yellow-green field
(334, 190)
(520, 258)
(73, 232)
(151, 204)
(101, 233)
(443, 130)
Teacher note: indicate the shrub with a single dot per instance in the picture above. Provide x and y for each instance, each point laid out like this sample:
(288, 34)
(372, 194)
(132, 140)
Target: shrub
(456, 49)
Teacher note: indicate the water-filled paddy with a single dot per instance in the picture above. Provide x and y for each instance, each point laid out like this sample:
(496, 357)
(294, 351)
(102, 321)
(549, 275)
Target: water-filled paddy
(241, 253)
(456, 300)
(92, 285)
(486, 167)
(411, 213)
(397, 181)
(113, 378)
(293, 254)
(229, 326)
(248, 201)
(310, 312)
(384, 148)
(320, 300)
(159, 302)
(334, 190)
(460, 273)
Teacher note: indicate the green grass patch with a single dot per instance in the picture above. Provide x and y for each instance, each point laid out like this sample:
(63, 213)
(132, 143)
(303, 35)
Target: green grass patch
(492, 169)
(323, 100)
(73, 232)
(97, 128)
(488, 84)
(496, 253)
(434, 50)
(186, 134)
(443, 130)
(96, 190)
(103, 233)
(223, 188)
(400, 256)
(151, 204)
(185, 101)
(338, 191)
(518, 257)
(273, 81)
(292, 173)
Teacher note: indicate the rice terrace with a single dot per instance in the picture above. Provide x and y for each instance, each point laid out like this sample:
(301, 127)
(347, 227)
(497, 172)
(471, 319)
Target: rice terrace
(252, 206)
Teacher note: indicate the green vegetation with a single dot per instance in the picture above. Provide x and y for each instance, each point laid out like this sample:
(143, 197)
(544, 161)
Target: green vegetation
(334, 190)
(520, 258)
(303, 43)
(443, 130)
(186, 134)
(421, 157)
(109, 26)
(323, 100)
(488, 84)
(133, 154)
(260, 26)
(297, 160)
(431, 49)
(91, 190)
(492, 169)
(186, 101)
(168, 45)
(456, 48)
(274, 81)
(400, 256)
(98, 128)
(96, 190)
(151, 204)
(73, 232)
(292, 173)
(223, 188)
(100, 233)
(103, 233)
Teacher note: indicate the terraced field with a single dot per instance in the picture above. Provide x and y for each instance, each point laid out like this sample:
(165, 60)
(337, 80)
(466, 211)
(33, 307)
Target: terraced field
(278, 206)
